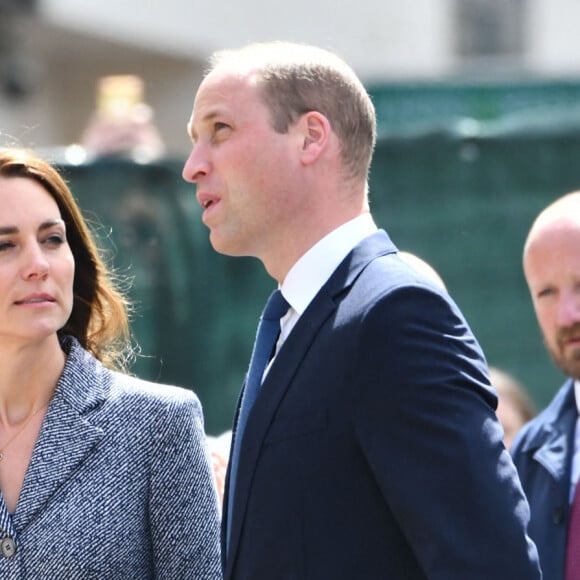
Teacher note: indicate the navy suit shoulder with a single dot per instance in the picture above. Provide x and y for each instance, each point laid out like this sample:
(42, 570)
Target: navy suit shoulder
(542, 453)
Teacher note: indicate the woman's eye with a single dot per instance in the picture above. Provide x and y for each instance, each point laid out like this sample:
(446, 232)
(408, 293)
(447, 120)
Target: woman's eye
(5, 245)
(55, 240)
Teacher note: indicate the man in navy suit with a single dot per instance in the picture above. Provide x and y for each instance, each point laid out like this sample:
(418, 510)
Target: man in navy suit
(547, 450)
(372, 450)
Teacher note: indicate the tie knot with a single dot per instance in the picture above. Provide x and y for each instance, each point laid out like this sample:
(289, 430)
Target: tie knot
(276, 306)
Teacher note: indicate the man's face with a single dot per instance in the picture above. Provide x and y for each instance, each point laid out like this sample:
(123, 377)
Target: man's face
(245, 172)
(552, 269)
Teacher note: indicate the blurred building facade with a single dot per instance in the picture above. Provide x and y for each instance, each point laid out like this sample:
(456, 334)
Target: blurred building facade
(52, 52)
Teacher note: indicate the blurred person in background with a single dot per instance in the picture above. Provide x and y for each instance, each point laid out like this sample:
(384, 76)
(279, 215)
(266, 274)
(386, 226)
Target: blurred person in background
(515, 407)
(547, 450)
(219, 447)
(123, 124)
(102, 475)
(423, 267)
(372, 449)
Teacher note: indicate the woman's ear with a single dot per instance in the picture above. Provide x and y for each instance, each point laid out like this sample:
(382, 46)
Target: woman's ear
(316, 133)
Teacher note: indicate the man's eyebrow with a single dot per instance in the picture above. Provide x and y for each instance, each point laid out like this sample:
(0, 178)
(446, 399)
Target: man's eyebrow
(209, 116)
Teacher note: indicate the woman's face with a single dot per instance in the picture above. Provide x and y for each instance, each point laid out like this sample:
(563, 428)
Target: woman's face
(36, 263)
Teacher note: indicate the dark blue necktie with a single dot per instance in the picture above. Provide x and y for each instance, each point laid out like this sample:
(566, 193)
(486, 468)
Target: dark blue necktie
(266, 337)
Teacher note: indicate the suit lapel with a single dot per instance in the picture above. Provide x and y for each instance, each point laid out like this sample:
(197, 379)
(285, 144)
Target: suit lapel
(285, 366)
(272, 391)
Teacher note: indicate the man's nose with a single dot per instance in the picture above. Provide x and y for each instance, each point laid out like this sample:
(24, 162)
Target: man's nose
(569, 307)
(196, 165)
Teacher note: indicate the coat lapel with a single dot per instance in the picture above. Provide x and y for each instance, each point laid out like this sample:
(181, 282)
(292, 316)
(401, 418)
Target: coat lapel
(67, 437)
(284, 367)
(65, 442)
(552, 445)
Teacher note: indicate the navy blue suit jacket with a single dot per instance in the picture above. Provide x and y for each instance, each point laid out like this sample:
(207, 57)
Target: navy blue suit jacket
(373, 450)
(543, 452)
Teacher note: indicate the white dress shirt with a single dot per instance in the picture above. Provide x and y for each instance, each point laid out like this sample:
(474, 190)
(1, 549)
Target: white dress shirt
(314, 268)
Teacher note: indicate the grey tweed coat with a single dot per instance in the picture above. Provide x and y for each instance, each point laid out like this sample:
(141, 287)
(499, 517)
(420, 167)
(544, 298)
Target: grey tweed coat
(119, 485)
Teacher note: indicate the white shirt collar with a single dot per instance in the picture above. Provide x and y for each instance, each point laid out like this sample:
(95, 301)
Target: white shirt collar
(577, 394)
(315, 267)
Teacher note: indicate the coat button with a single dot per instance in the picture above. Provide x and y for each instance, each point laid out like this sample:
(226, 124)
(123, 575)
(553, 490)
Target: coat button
(8, 547)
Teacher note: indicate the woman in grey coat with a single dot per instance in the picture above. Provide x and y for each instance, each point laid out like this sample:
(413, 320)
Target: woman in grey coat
(102, 475)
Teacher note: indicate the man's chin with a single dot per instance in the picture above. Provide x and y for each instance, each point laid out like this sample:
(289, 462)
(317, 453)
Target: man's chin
(569, 365)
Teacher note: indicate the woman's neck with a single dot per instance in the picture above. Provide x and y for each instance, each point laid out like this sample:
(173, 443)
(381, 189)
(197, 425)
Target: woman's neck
(28, 377)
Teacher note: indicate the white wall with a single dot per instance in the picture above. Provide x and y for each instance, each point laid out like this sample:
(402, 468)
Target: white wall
(68, 67)
(377, 37)
(73, 42)
(555, 49)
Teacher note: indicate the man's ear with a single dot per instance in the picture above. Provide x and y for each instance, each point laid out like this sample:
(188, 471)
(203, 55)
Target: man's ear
(316, 134)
